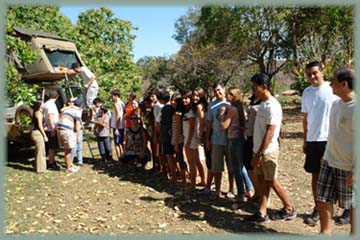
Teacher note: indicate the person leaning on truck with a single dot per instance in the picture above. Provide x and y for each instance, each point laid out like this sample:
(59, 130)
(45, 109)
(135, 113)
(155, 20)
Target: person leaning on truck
(90, 84)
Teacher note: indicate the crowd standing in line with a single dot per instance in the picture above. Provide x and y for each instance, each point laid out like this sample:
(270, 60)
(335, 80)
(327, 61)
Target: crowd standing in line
(165, 126)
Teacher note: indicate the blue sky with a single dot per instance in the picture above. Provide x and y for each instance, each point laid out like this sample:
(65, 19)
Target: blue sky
(155, 27)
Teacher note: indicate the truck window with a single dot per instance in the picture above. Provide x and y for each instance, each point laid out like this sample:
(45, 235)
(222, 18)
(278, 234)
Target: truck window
(61, 58)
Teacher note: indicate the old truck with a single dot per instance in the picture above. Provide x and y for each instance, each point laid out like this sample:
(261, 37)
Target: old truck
(54, 56)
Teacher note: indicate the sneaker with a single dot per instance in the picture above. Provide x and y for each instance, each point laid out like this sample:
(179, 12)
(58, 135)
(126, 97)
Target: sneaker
(73, 169)
(204, 192)
(230, 195)
(343, 219)
(55, 166)
(313, 219)
(285, 214)
(257, 218)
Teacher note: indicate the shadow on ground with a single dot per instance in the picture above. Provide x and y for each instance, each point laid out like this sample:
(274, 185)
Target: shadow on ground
(217, 214)
(191, 207)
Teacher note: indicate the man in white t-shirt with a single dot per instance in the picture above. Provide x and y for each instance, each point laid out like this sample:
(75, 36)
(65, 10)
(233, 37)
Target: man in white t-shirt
(266, 150)
(336, 176)
(51, 117)
(90, 84)
(316, 103)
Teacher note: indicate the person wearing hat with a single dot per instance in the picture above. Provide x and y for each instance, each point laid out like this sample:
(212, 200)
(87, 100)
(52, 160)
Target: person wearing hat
(90, 84)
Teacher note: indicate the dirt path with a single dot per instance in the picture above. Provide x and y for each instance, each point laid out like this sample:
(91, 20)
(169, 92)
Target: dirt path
(114, 199)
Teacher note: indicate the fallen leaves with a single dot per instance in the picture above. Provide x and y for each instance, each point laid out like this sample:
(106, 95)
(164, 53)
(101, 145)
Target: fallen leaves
(113, 201)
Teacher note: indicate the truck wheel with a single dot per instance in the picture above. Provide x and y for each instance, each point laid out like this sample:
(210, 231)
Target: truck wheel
(22, 111)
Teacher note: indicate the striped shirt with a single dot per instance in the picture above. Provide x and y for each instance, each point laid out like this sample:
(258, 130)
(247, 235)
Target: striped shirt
(68, 118)
(174, 130)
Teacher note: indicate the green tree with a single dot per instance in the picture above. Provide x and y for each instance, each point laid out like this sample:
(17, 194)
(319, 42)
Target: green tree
(203, 61)
(322, 34)
(156, 71)
(105, 44)
(273, 39)
(19, 53)
(258, 33)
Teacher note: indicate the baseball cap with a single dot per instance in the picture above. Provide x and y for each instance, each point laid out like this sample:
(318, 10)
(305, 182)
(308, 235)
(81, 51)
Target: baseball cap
(78, 102)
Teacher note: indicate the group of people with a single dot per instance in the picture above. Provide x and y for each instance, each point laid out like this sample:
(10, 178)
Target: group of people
(53, 129)
(170, 128)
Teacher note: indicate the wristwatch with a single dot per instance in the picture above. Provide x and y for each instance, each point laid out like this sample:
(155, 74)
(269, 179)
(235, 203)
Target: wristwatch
(259, 154)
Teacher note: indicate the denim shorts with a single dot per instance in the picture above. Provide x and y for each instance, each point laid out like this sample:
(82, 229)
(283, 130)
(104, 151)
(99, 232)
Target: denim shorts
(118, 139)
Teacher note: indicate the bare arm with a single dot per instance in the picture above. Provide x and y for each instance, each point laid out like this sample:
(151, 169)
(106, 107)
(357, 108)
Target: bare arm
(201, 114)
(67, 107)
(38, 116)
(304, 123)
(270, 130)
(103, 122)
(91, 80)
(191, 130)
(118, 110)
(52, 124)
(227, 118)
(78, 130)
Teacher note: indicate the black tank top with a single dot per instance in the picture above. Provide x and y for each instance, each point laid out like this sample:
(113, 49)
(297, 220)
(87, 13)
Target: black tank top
(35, 122)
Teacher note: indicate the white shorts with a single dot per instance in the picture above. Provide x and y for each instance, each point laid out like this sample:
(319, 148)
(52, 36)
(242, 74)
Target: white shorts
(91, 94)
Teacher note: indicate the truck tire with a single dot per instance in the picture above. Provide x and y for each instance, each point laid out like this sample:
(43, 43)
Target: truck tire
(23, 110)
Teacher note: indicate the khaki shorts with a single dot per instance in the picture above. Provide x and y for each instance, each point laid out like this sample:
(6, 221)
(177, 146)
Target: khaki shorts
(66, 138)
(218, 152)
(268, 166)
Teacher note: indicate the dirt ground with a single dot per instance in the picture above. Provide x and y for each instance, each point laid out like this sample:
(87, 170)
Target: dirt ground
(114, 199)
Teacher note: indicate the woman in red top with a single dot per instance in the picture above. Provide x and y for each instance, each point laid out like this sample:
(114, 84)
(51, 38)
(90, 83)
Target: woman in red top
(130, 108)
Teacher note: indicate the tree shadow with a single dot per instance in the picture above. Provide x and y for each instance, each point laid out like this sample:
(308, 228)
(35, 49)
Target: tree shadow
(20, 158)
(190, 207)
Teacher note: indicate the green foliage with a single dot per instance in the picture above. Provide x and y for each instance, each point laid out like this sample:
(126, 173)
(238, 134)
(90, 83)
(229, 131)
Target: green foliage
(104, 43)
(156, 71)
(19, 53)
(289, 100)
(25, 120)
(261, 36)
